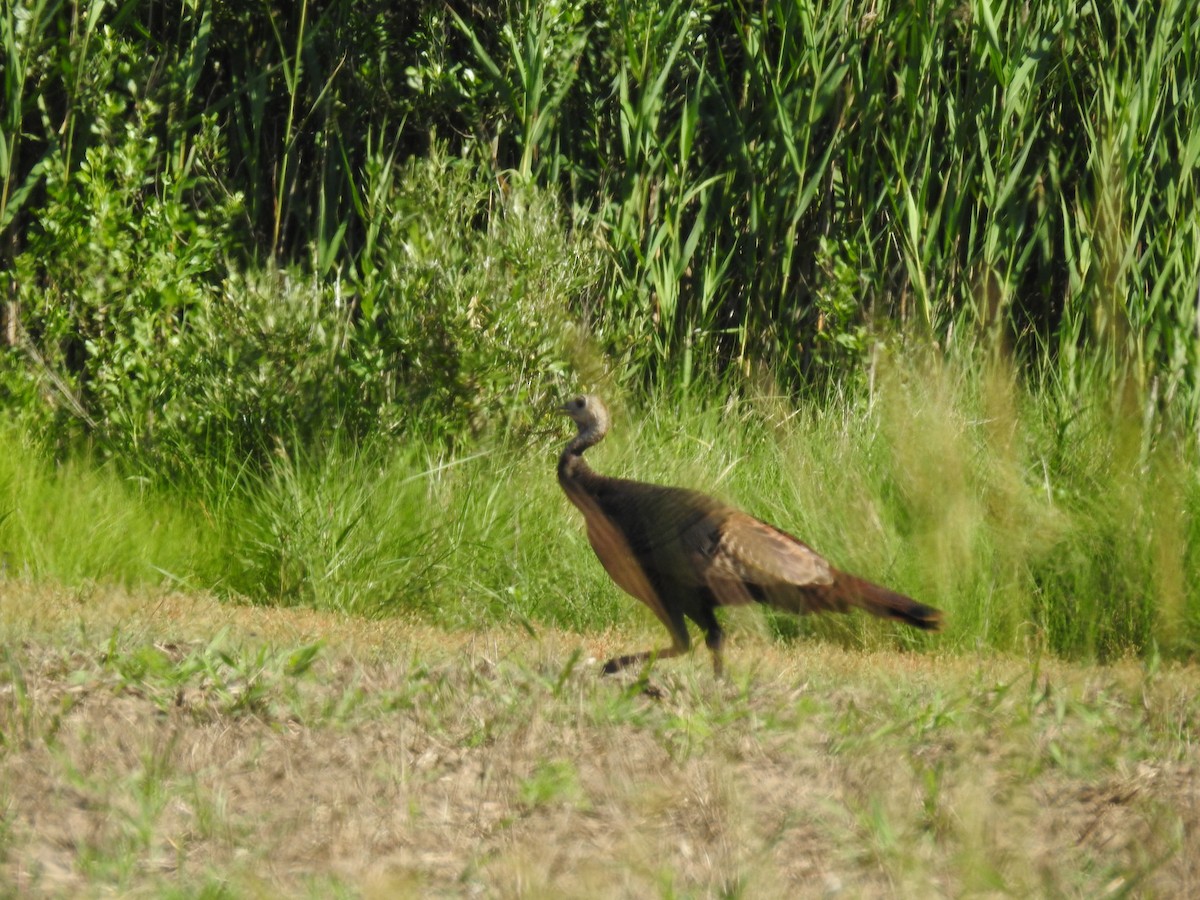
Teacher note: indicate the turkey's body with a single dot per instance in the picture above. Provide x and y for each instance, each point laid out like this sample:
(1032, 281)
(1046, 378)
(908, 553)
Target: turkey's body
(683, 553)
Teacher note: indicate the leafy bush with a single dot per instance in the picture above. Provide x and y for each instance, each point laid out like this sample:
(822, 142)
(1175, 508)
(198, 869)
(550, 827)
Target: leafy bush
(119, 258)
(466, 302)
(162, 353)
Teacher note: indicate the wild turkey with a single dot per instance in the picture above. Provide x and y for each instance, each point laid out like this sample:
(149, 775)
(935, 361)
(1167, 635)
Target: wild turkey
(683, 553)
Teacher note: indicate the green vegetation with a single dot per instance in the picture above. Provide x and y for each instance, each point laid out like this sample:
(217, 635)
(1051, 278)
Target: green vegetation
(1030, 532)
(291, 603)
(289, 291)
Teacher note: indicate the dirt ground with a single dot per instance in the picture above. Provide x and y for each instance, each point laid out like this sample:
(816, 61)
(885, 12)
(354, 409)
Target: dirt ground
(171, 744)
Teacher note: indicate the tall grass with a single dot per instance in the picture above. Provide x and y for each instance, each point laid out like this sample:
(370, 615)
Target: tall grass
(78, 521)
(772, 176)
(327, 312)
(773, 183)
(1033, 533)
(771, 179)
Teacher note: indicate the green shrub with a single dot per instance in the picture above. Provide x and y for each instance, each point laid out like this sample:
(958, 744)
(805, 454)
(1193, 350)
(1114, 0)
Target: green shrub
(148, 342)
(119, 259)
(468, 302)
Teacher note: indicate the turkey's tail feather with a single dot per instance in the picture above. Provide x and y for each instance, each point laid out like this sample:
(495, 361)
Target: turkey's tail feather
(879, 601)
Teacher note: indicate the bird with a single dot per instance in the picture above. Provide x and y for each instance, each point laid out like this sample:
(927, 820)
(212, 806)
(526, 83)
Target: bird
(683, 553)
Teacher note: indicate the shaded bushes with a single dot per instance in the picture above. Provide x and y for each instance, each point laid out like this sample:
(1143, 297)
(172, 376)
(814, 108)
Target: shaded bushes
(139, 330)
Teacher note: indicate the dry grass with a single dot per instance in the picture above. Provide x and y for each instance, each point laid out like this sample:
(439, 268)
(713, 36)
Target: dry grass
(170, 744)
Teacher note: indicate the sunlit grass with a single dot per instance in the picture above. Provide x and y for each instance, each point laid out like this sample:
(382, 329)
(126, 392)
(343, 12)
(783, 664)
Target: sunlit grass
(1034, 526)
(77, 520)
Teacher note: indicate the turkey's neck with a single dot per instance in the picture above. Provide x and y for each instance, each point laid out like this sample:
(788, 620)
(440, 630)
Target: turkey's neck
(572, 469)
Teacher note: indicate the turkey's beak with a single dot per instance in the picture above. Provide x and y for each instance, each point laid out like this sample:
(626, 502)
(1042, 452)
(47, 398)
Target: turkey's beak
(564, 409)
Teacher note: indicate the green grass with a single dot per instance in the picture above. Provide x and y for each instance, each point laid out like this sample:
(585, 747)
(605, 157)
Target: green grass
(77, 521)
(1036, 526)
(360, 426)
(914, 283)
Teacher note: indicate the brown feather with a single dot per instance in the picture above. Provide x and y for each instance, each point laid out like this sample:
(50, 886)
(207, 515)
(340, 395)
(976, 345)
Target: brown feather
(683, 553)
